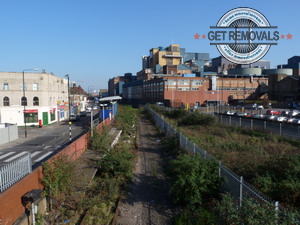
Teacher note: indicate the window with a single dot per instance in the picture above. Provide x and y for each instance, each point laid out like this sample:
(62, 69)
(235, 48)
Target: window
(24, 101)
(36, 101)
(23, 85)
(195, 89)
(35, 87)
(5, 101)
(184, 82)
(171, 82)
(5, 86)
(197, 83)
(169, 61)
(31, 117)
(183, 88)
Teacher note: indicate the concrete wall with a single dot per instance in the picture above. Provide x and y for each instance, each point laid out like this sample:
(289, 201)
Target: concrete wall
(8, 132)
(11, 207)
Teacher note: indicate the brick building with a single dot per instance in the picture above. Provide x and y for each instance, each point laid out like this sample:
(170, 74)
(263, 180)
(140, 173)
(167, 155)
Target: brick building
(196, 91)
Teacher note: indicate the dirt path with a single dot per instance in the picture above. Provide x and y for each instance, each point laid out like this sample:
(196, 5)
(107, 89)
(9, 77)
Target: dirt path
(147, 201)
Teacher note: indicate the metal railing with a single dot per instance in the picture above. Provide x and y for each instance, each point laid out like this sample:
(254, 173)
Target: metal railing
(233, 184)
(15, 171)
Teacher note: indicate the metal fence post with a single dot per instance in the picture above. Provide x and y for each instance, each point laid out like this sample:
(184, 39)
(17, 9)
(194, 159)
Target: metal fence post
(240, 121)
(205, 154)
(194, 149)
(276, 209)
(186, 143)
(251, 124)
(220, 163)
(180, 140)
(265, 124)
(280, 128)
(241, 191)
(229, 120)
(221, 119)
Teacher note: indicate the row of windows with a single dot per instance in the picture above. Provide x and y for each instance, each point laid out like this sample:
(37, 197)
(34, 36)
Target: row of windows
(35, 86)
(23, 101)
(185, 82)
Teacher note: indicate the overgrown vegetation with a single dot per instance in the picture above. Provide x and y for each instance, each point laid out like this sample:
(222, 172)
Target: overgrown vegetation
(195, 180)
(58, 179)
(95, 202)
(269, 162)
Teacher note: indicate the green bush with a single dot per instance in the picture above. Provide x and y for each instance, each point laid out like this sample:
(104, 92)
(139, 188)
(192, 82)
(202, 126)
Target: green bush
(251, 212)
(176, 113)
(117, 162)
(197, 118)
(58, 177)
(195, 180)
(126, 119)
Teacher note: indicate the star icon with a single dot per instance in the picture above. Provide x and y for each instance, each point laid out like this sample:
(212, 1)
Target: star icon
(196, 36)
(289, 36)
(203, 36)
(282, 36)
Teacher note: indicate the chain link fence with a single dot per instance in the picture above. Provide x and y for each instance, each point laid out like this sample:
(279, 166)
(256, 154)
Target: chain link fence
(233, 184)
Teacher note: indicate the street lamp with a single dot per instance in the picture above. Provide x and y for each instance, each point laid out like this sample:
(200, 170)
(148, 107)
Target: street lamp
(68, 76)
(103, 105)
(25, 102)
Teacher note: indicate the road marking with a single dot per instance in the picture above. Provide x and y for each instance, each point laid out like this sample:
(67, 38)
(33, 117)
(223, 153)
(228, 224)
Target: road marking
(43, 156)
(16, 156)
(48, 146)
(7, 154)
(35, 153)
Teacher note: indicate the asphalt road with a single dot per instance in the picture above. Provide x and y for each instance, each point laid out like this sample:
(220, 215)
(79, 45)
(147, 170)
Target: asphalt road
(43, 142)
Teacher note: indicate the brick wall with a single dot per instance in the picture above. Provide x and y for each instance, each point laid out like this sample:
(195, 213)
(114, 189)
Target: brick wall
(11, 207)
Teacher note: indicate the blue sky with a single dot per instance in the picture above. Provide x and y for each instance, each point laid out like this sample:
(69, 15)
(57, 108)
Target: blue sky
(94, 40)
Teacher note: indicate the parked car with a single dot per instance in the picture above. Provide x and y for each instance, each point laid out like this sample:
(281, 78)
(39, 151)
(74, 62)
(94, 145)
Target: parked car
(74, 117)
(241, 114)
(290, 120)
(83, 113)
(280, 118)
(294, 112)
(273, 112)
(259, 116)
(270, 117)
(229, 113)
(296, 121)
(260, 107)
(285, 113)
(88, 109)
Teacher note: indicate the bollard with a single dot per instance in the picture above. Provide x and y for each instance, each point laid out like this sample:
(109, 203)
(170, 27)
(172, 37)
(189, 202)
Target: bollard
(70, 129)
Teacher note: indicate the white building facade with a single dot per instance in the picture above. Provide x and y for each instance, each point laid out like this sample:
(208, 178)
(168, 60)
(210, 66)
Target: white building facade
(46, 98)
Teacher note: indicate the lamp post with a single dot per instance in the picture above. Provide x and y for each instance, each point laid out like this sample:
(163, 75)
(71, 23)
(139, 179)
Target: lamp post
(68, 76)
(103, 105)
(25, 102)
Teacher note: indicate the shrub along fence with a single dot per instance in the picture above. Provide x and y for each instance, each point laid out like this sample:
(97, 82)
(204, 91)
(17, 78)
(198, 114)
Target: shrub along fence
(233, 184)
